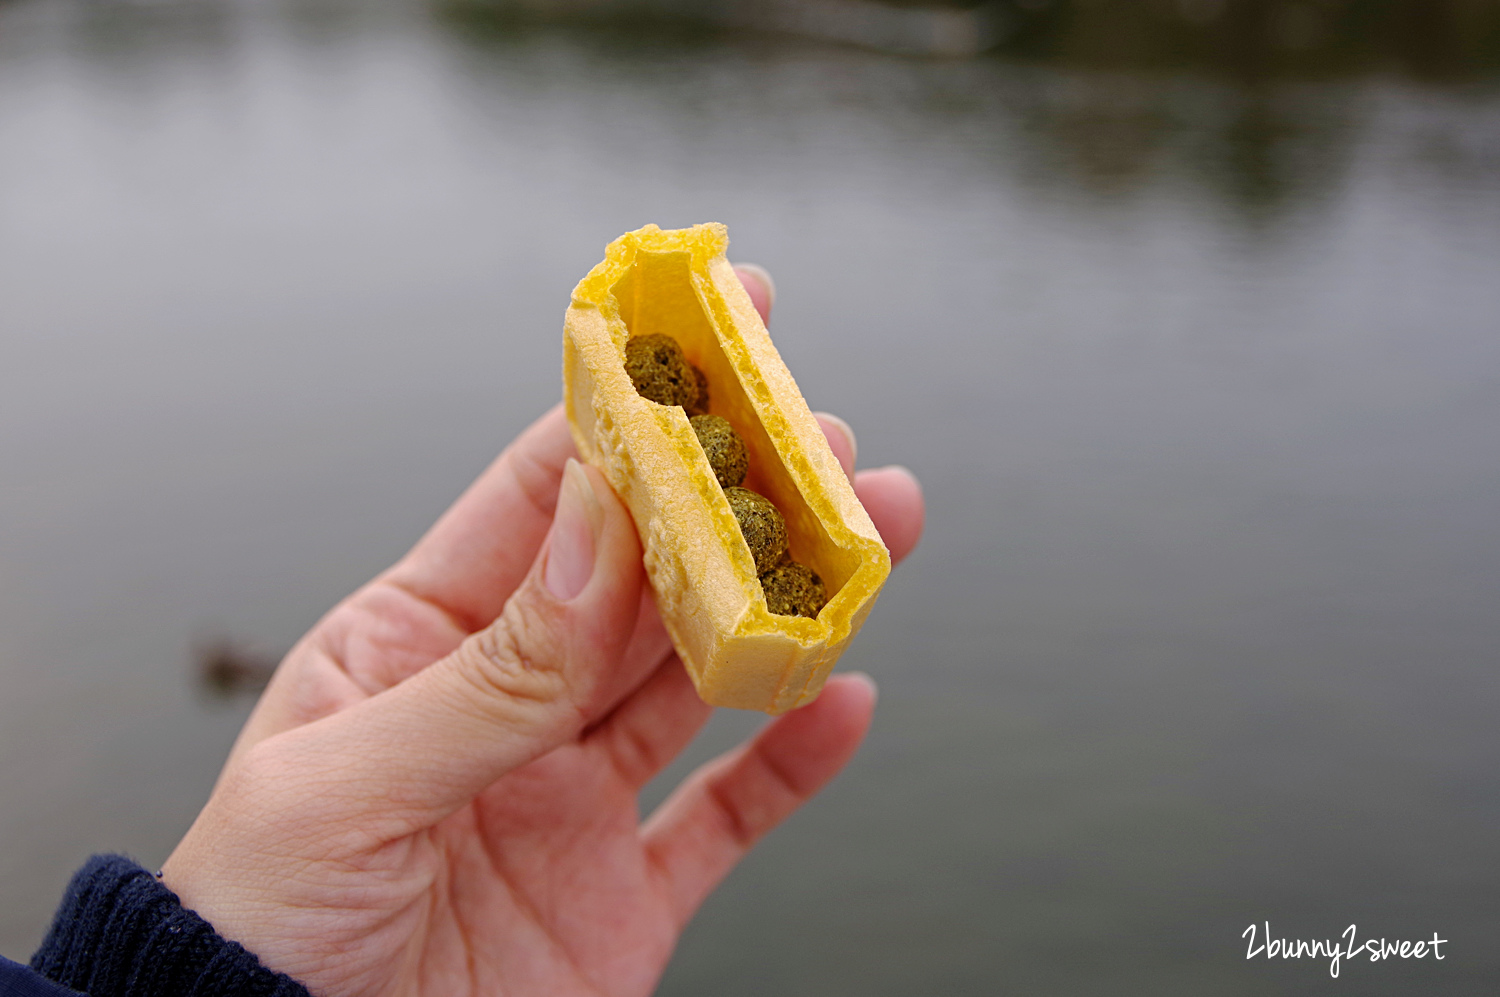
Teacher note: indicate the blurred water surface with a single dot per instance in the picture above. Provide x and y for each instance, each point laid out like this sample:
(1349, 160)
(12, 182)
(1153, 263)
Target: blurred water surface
(1202, 376)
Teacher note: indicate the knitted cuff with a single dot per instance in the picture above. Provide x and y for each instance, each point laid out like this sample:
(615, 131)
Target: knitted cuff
(120, 933)
(18, 981)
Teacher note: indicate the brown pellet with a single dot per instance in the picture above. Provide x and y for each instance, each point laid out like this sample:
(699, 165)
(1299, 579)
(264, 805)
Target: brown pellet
(724, 448)
(700, 405)
(793, 589)
(761, 523)
(659, 371)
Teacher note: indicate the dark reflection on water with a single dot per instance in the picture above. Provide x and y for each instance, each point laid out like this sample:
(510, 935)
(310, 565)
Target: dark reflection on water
(1441, 39)
(1199, 364)
(1260, 145)
(1240, 39)
(224, 668)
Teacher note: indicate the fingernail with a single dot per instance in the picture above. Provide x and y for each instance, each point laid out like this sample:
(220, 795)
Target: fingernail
(763, 275)
(869, 681)
(570, 549)
(844, 428)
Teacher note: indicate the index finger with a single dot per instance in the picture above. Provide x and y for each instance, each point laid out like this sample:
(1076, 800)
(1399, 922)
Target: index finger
(477, 553)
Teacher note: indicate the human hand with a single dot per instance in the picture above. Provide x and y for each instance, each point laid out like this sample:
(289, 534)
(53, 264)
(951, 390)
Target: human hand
(437, 793)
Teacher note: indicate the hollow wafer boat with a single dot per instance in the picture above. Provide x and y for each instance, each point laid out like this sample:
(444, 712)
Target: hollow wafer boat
(678, 283)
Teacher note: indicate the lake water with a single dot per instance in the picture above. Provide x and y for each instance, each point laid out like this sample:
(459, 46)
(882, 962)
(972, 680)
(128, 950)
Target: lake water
(1202, 378)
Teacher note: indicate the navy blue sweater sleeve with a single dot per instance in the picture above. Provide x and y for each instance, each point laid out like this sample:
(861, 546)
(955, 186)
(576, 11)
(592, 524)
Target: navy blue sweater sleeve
(120, 933)
(18, 981)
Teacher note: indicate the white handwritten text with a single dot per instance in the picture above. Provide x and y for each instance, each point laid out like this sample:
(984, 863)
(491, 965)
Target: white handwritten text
(1334, 952)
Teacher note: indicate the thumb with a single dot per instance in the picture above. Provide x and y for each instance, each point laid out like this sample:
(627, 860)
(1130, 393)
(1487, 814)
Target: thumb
(510, 693)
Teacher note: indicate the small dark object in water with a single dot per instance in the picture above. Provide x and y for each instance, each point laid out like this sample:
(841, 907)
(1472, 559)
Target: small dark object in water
(761, 523)
(659, 371)
(793, 589)
(226, 669)
(725, 449)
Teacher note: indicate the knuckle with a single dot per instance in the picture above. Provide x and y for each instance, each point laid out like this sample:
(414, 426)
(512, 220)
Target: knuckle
(518, 660)
(737, 818)
(753, 796)
(638, 756)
